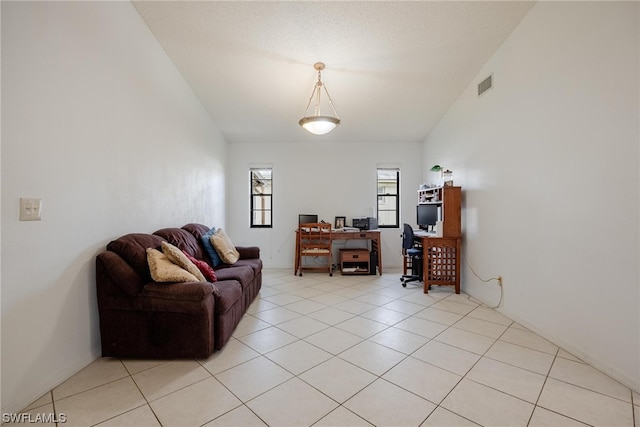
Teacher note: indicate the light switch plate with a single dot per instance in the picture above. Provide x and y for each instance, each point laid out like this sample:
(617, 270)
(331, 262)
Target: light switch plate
(30, 209)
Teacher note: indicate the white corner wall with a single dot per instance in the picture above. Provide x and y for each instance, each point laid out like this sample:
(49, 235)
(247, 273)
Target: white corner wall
(319, 178)
(549, 163)
(98, 123)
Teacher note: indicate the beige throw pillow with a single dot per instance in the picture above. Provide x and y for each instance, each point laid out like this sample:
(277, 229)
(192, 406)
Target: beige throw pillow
(225, 248)
(178, 257)
(163, 270)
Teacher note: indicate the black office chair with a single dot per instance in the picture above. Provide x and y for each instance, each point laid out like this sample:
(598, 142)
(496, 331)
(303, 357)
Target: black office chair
(412, 255)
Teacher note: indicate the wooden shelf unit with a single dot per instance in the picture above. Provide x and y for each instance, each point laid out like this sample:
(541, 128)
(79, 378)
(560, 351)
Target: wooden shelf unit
(449, 199)
(441, 255)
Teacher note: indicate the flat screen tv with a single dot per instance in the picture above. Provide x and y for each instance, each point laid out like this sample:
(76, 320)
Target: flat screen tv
(426, 216)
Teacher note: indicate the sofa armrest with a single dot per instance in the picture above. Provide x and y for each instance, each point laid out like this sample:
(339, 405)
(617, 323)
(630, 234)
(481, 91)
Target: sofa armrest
(115, 278)
(187, 297)
(248, 252)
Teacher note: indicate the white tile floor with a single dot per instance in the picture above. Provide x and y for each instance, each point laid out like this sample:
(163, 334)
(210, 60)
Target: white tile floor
(353, 351)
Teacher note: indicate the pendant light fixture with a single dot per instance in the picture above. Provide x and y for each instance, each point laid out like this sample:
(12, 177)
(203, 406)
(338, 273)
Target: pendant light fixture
(319, 124)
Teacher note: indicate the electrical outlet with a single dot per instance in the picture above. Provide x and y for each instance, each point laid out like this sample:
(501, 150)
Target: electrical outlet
(30, 209)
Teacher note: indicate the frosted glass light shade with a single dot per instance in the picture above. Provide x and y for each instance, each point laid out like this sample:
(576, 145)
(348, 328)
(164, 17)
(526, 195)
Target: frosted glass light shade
(319, 125)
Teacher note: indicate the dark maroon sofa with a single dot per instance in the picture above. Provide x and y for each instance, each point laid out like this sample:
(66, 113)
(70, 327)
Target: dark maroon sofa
(140, 318)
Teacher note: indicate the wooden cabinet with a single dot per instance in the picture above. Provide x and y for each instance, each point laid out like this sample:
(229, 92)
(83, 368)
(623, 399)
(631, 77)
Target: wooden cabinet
(354, 261)
(449, 200)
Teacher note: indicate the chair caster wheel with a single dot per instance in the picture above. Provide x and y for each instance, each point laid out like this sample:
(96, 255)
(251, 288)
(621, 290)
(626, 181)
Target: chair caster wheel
(404, 285)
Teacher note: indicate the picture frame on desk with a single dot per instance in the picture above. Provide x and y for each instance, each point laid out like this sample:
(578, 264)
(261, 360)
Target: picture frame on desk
(340, 221)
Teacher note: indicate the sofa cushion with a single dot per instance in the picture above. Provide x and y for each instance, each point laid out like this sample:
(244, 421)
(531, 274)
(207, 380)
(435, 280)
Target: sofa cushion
(242, 273)
(179, 258)
(209, 249)
(132, 248)
(163, 270)
(204, 268)
(181, 239)
(227, 293)
(224, 247)
(255, 263)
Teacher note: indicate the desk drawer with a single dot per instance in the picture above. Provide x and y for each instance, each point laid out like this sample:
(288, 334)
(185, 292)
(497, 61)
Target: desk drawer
(354, 255)
(362, 234)
(369, 234)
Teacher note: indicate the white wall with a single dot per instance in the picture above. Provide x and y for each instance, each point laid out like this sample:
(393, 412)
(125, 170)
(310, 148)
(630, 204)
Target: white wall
(319, 178)
(98, 123)
(548, 160)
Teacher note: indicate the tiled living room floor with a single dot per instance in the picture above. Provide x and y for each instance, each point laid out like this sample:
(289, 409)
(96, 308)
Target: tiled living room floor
(353, 351)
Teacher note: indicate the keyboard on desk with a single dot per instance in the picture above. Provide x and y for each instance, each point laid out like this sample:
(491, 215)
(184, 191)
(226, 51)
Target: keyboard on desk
(422, 233)
(339, 230)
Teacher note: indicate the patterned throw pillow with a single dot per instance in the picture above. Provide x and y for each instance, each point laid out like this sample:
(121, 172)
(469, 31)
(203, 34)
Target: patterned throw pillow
(178, 257)
(224, 247)
(209, 249)
(163, 270)
(204, 268)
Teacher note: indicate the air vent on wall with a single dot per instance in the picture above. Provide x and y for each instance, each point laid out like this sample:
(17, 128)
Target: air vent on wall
(485, 85)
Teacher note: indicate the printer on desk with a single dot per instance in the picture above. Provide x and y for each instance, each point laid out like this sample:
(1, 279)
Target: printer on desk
(365, 223)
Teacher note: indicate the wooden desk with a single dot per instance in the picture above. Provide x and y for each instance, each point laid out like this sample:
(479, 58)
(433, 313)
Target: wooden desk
(441, 261)
(372, 235)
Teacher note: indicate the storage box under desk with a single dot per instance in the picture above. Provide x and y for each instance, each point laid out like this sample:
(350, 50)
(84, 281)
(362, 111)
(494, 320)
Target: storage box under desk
(354, 261)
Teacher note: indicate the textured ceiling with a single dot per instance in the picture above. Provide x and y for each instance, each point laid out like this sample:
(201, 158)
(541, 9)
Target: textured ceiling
(393, 68)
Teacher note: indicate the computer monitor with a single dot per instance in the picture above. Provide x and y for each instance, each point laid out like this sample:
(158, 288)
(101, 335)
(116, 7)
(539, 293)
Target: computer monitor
(426, 216)
(306, 218)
